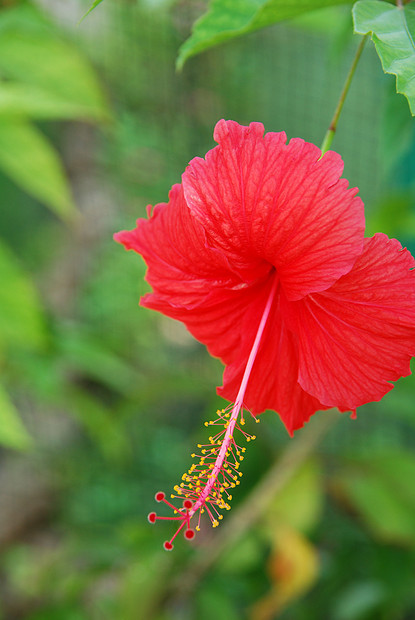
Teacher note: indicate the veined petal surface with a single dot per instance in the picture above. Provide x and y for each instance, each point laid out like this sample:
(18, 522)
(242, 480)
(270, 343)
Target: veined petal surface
(273, 381)
(182, 268)
(358, 336)
(262, 201)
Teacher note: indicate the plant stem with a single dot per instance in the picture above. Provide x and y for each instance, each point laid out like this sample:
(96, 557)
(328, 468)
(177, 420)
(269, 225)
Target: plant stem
(328, 138)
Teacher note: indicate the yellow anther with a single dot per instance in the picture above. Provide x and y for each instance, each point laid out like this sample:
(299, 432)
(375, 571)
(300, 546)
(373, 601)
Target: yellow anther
(206, 423)
(242, 421)
(215, 523)
(220, 517)
(197, 528)
(229, 498)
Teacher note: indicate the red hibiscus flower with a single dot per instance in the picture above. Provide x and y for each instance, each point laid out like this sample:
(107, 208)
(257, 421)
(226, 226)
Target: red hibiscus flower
(260, 251)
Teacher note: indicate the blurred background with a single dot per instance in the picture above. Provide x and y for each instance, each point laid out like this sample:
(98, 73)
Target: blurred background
(102, 402)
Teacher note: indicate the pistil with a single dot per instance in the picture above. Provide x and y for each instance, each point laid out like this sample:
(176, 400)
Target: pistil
(204, 486)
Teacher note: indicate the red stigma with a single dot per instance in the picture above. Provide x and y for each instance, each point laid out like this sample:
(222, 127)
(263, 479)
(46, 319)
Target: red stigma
(207, 486)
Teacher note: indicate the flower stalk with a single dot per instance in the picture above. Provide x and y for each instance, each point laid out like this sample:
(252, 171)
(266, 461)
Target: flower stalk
(328, 138)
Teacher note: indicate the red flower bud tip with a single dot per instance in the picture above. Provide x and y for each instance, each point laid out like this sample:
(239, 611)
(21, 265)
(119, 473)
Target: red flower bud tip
(160, 496)
(189, 534)
(152, 517)
(187, 504)
(168, 545)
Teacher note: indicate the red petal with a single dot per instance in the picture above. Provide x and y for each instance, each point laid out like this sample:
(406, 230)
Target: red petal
(262, 201)
(182, 268)
(227, 323)
(273, 380)
(359, 335)
(220, 322)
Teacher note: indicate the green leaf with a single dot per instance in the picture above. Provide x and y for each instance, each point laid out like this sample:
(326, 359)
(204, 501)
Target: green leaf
(226, 19)
(40, 64)
(91, 8)
(21, 319)
(397, 129)
(31, 161)
(381, 489)
(12, 432)
(17, 99)
(98, 420)
(393, 30)
(90, 356)
(300, 501)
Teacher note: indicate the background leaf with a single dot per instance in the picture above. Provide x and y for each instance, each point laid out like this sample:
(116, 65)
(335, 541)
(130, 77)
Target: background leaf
(381, 490)
(21, 320)
(227, 19)
(32, 162)
(393, 31)
(300, 502)
(91, 8)
(293, 569)
(12, 432)
(45, 69)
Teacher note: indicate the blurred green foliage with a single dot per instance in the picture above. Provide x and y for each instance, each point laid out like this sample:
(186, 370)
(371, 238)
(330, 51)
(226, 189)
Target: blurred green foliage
(111, 396)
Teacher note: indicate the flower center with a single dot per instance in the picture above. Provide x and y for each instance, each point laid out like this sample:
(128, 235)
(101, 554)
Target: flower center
(206, 485)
